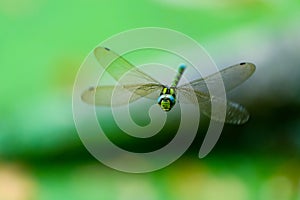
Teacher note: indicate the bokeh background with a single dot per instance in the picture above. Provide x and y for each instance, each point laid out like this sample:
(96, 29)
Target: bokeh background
(42, 45)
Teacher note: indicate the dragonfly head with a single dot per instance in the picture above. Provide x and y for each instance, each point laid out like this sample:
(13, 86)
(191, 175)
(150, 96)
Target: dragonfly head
(166, 102)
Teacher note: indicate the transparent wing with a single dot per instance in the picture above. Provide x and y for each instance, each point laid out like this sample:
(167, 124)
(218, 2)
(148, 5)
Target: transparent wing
(102, 95)
(120, 69)
(149, 90)
(235, 113)
(231, 76)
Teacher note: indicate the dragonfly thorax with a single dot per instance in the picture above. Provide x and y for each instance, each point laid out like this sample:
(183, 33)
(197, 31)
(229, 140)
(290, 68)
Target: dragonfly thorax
(167, 98)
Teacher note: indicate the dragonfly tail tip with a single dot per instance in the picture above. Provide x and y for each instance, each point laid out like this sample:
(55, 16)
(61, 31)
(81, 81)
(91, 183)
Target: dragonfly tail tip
(182, 66)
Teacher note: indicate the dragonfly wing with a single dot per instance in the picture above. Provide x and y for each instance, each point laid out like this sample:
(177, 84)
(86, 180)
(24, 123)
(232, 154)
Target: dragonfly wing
(189, 96)
(231, 77)
(149, 90)
(235, 113)
(117, 67)
(102, 95)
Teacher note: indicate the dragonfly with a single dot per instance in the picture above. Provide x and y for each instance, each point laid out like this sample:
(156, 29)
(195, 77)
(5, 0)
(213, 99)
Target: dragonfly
(140, 85)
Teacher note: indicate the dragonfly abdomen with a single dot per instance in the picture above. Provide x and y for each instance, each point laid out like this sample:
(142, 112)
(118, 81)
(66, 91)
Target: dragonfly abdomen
(177, 78)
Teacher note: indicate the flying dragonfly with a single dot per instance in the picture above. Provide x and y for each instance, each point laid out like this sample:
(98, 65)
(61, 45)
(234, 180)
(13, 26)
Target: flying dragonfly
(140, 84)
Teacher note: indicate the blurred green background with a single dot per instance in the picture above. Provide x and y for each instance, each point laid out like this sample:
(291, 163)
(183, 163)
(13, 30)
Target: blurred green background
(43, 43)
